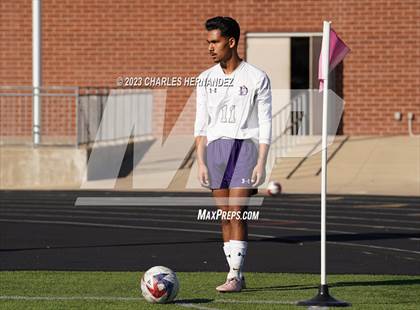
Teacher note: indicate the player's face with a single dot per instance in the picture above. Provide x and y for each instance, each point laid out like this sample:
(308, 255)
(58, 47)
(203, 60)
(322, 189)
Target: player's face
(220, 47)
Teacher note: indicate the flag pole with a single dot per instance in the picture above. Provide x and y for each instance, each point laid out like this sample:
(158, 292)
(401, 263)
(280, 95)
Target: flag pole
(36, 70)
(324, 298)
(325, 70)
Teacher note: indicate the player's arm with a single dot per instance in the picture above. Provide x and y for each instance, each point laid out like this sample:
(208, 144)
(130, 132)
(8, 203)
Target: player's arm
(262, 154)
(203, 175)
(263, 102)
(200, 146)
(200, 134)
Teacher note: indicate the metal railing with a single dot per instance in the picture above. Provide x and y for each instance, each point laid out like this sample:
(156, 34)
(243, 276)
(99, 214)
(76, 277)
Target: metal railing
(290, 121)
(107, 115)
(73, 115)
(59, 115)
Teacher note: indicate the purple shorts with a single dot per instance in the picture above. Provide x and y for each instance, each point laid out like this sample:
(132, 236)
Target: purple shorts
(230, 163)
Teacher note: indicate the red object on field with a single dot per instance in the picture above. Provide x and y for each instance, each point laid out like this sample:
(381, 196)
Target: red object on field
(274, 188)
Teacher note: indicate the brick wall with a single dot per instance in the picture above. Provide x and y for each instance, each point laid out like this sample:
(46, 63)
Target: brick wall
(91, 43)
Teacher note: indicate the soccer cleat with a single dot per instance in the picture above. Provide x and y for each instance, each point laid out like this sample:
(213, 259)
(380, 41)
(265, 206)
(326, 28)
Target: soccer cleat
(242, 282)
(230, 286)
(221, 286)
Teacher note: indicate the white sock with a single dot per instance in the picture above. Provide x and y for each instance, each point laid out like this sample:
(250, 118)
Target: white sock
(237, 257)
(226, 249)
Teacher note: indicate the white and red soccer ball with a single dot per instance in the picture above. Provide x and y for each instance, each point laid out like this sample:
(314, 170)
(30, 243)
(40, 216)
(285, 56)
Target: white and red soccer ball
(159, 284)
(274, 188)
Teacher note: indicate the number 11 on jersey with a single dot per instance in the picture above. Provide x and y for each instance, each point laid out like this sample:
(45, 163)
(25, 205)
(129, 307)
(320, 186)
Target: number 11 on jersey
(228, 118)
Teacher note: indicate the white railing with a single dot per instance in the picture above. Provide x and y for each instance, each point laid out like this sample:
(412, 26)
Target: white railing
(73, 115)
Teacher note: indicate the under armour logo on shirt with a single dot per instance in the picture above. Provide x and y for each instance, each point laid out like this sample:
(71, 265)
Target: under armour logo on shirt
(213, 90)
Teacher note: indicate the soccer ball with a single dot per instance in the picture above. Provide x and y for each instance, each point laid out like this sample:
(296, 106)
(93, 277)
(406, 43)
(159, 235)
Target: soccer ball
(274, 188)
(159, 285)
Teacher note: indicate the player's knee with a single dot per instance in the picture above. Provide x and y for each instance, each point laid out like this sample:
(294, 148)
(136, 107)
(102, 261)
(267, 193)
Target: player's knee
(224, 208)
(225, 222)
(237, 222)
(238, 209)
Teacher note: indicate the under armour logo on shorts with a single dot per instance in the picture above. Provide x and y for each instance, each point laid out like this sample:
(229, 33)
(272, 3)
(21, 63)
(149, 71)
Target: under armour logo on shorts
(247, 181)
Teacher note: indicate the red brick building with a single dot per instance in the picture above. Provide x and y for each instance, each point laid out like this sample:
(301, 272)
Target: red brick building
(91, 43)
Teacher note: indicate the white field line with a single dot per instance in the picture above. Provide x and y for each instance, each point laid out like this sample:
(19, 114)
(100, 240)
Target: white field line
(194, 306)
(116, 298)
(262, 210)
(333, 202)
(381, 227)
(178, 209)
(374, 247)
(64, 298)
(331, 209)
(149, 219)
(353, 205)
(190, 230)
(92, 298)
(90, 224)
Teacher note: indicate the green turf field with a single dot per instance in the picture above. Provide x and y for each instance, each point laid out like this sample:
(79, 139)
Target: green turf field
(120, 290)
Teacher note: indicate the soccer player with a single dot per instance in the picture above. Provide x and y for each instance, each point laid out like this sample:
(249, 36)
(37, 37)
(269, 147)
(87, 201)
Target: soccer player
(233, 133)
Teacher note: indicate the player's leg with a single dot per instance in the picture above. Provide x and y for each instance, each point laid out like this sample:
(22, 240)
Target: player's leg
(217, 156)
(237, 177)
(222, 202)
(238, 201)
(240, 191)
(218, 153)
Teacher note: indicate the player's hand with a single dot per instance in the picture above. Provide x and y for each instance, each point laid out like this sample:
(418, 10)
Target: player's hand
(203, 175)
(258, 175)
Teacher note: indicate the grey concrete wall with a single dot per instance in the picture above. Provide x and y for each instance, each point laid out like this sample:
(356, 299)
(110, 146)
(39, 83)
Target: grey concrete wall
(43, 167)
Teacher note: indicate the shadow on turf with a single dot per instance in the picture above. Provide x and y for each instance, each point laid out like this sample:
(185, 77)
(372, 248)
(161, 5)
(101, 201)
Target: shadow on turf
(378, 283)
(280, 288)
(338, 284)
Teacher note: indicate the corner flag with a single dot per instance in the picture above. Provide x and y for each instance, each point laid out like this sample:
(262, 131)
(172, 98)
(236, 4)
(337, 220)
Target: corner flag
(338, 50)
(333, 51)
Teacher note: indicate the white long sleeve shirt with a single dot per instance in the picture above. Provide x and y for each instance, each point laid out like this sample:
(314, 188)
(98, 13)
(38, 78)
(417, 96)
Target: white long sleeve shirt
(236, 105)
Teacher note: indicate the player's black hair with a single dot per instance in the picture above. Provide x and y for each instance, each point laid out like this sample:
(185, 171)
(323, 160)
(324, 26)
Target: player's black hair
(227, 25)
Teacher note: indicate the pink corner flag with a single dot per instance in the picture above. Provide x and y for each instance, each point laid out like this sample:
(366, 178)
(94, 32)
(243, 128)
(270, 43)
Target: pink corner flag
(338, 50)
